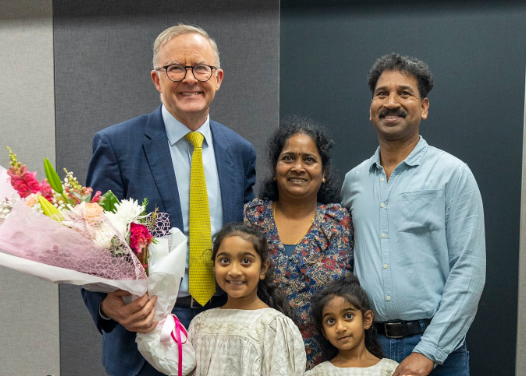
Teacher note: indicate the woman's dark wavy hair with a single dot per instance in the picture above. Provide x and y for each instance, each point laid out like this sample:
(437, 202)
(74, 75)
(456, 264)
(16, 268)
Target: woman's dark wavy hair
(405, 64)
(268, 292)
(330, 190)
(349, 289)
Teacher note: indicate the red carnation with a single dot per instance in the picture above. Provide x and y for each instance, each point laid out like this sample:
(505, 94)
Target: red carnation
(140, 239)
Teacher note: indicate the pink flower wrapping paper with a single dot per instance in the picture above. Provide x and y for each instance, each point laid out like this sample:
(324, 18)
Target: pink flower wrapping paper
(31, 235)
(86, 249)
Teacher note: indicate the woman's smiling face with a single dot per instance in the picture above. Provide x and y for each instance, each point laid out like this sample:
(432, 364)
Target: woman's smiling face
(299, 171)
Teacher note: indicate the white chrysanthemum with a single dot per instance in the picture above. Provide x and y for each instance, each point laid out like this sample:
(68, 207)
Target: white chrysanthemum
(127, 211)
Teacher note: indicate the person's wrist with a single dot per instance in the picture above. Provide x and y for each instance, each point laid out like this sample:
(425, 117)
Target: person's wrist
(428, 358)
(101, 314)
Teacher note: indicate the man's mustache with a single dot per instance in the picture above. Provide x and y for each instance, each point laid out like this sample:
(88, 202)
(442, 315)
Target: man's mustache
(398, 112)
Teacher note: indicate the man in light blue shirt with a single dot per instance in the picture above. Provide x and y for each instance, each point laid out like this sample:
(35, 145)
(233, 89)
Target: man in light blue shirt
(419, 229)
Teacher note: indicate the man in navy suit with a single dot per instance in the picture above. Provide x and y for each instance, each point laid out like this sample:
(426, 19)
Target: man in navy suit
(149, 157)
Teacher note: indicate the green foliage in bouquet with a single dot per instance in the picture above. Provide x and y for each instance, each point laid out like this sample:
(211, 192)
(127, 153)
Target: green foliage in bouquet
(53, 179)
(109, 202)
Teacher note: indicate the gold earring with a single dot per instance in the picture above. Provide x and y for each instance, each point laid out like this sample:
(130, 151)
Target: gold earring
(323, 180)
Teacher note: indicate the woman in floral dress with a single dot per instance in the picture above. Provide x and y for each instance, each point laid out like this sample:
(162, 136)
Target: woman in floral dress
(309, 233)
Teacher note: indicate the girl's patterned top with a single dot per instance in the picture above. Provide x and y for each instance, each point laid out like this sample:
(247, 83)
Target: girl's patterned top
(324, 255)
(384, 367)
(237, 342)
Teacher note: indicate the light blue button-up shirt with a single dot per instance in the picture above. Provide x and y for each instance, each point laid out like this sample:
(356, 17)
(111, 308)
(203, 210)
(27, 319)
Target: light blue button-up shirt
(181, 152)
(419, 243)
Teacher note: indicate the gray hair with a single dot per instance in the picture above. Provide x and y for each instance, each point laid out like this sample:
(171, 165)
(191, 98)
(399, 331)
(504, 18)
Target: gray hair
(181, 29)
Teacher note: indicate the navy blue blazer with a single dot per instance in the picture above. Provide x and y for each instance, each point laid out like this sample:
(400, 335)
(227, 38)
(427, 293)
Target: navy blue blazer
(133, 160)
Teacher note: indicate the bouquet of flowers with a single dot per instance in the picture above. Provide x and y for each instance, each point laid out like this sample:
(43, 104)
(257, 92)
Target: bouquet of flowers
(57, 230)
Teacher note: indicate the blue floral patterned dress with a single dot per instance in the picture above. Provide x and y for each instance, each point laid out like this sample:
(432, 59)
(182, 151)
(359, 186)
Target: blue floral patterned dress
(324, 255)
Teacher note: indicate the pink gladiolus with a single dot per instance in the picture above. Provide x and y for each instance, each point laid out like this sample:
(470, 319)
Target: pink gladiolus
(24, 182)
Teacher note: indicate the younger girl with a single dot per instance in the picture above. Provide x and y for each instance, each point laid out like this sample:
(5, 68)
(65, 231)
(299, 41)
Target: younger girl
(251, 334)
(343, 315)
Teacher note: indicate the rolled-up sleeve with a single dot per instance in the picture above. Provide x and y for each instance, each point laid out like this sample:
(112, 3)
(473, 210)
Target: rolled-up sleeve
(467, 261)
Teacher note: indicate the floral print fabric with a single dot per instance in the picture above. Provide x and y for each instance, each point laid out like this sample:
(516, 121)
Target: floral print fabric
(324, 255)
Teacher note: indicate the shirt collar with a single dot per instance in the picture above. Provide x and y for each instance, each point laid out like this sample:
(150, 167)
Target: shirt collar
(413, 159)
(375, 159)
(175, 130)
(416, 156)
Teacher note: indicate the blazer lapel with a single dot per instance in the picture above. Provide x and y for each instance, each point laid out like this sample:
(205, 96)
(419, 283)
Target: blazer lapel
(159, 159)
(227, 174)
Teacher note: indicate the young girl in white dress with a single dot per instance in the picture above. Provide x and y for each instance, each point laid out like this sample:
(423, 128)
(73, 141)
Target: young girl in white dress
(251, 335)
(344, 316)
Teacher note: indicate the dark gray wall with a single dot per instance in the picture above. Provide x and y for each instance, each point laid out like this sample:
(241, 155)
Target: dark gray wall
(103, 61)
(477, 52)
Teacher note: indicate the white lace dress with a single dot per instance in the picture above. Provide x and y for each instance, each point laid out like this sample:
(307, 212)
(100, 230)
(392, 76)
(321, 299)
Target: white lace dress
(261, 342)
(384, 367)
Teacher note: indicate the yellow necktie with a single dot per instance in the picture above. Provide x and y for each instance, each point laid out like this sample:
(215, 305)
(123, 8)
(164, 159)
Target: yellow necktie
(202, 281)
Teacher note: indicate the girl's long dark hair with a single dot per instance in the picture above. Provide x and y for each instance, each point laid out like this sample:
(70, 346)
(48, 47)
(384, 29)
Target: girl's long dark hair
(349, 289)
(268, 292)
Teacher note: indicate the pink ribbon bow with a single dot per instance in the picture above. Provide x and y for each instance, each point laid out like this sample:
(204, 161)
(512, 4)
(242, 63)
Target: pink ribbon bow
(177, 338)
(167, 334)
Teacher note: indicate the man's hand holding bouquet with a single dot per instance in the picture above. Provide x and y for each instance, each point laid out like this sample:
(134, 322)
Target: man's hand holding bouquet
(57, 230)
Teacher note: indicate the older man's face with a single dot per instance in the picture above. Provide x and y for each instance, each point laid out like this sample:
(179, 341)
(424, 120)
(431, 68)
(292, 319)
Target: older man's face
(396, 108)
(188, 100)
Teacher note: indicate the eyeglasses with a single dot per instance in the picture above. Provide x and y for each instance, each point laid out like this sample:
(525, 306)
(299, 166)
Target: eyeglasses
(177, 72)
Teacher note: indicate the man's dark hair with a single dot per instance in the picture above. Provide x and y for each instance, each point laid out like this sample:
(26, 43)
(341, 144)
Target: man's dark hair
(404, 64)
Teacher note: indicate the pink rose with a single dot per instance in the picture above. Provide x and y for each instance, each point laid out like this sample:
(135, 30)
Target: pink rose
(93, 212)
(31, 200)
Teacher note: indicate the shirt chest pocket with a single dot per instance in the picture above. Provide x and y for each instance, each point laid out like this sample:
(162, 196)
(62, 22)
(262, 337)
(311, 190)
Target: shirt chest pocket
(421, 211)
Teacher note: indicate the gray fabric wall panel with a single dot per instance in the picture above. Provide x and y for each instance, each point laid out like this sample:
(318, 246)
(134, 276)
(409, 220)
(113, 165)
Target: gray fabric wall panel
(29, 334)
(103, 61)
